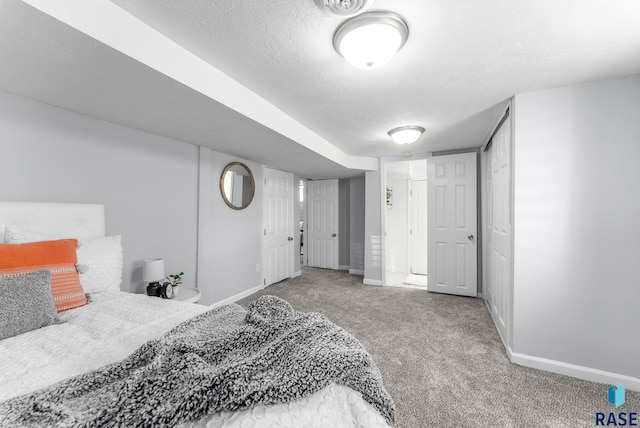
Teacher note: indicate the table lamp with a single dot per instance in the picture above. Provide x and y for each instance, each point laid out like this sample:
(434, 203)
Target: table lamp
(153, 273)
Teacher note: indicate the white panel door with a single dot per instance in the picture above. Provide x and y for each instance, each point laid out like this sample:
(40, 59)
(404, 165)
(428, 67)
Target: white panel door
(498, 288)
(322, 228)
(278, 225)
(419, 235)
(452, 224)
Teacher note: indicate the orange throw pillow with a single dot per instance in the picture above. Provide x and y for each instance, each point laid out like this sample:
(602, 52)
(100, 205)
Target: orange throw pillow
(59, 257)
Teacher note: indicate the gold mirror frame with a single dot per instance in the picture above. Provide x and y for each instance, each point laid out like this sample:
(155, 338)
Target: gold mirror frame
(227, 184)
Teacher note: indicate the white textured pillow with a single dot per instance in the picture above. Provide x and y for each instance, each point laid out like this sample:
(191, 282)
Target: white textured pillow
(100, 259)
(103, 256)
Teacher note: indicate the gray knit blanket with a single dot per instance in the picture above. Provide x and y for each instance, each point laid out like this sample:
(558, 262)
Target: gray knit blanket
(224, 359)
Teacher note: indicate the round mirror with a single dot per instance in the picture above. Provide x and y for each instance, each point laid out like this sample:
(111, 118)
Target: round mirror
(237, 185)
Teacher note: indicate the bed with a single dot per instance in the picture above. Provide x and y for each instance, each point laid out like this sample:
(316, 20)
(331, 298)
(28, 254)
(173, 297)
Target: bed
(87, 344)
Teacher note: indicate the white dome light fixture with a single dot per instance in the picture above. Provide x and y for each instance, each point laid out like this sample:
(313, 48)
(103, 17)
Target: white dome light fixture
(371, 39)
(406, 134)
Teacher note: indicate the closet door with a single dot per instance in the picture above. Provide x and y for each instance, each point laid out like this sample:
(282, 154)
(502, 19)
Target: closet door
(499, 232)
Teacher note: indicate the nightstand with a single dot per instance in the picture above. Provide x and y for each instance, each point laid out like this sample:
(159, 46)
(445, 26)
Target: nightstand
(189, 295)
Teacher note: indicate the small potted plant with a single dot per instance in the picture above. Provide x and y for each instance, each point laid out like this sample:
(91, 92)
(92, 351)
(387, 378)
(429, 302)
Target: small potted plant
(175, 280)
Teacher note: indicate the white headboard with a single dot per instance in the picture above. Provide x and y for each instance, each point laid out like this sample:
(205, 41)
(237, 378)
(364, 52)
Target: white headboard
(73, 220)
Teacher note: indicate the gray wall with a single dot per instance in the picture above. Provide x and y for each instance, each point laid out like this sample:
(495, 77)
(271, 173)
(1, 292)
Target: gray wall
(351, 217)
(160, 194)
(230, 243)
(577, 228)
(356, 223)
(373, 242)
(344, 214)
(147, 183)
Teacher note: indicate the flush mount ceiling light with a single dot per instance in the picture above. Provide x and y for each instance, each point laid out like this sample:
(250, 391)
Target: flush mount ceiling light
(406, 134)
(371, 39)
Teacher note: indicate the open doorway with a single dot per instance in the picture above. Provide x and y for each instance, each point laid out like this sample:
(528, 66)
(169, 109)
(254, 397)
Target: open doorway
(447, 222)
(406, 224)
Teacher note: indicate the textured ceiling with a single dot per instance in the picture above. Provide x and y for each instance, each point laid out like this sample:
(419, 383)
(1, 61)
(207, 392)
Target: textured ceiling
(462, 60)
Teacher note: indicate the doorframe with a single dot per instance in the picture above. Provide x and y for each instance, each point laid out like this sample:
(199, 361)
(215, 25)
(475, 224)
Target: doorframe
(479, 203)
(383, 205)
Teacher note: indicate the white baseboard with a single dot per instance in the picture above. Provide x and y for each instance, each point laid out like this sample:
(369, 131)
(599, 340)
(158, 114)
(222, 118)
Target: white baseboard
(568, 369)
(356, 272)
(238, 296)
(574, 370)
(295, 274)
(509, 352)
(368, 281)
(343, 267)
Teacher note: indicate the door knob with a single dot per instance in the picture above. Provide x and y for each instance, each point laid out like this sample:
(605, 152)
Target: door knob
(290, 238)
(470, 237)
(333, 235)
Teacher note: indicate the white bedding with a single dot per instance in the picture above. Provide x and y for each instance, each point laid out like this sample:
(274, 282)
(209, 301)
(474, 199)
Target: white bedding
(116, 323)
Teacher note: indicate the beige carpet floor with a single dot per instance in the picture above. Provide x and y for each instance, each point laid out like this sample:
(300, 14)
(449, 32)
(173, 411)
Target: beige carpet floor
(441, 358)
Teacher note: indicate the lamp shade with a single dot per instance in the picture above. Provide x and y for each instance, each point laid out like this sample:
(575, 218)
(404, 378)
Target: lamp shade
(406, 134)
(153, 270)
(371, 39)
